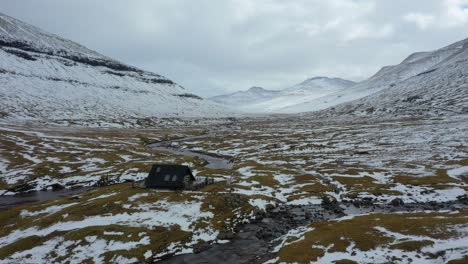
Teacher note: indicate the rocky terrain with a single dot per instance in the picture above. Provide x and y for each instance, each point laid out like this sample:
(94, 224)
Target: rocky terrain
(290, 181)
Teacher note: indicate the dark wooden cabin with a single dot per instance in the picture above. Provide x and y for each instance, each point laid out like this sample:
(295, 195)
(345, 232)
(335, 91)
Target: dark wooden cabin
(169, 176)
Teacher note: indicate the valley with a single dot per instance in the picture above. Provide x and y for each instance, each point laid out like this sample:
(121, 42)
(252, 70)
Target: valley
(314, 169)
(324, 171)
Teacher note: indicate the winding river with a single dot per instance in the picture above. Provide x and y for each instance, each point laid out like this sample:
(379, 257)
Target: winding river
(213, 162)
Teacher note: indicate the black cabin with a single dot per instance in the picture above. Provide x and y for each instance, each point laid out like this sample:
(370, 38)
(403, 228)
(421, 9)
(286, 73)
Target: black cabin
(169, 176)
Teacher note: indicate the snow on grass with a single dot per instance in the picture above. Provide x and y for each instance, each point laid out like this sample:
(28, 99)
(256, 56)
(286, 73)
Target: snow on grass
(133, 176)
(261, 203)
(113, 233)
(284, 179)
(40, 254)
(297, 234)
(444, 239)
(31, 158)
(246, 172)
(78, 252)
(424, 194)
(137, 196)
(377, 255)
(457, 172)
(65, 169)
(48, 210)
(182, 214)
(96, 247)
(455, 248)
(103, 196)
(3, 166)
(46, 181)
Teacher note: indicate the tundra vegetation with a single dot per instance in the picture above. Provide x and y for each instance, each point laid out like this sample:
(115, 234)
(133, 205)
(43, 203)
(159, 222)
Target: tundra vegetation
(275, 162)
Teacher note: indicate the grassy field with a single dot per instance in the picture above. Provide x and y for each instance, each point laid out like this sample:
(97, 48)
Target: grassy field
(282, 162)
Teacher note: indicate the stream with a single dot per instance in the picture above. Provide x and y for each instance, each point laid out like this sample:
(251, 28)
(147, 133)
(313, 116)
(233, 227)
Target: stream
(11, 201)
(256, 241)
(252, 242)
(213, 162)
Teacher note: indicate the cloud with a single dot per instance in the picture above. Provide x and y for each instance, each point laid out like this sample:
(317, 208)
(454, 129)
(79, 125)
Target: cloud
(367, 31)
(456, 13)
(449, 14)
(423, 21)
(212, 47)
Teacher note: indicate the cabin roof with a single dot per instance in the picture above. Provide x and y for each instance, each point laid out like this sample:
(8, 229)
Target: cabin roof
(168, 176)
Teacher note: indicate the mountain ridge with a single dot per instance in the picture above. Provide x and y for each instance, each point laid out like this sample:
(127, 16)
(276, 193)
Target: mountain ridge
(45, 76)
(275, 100)
(425, 83)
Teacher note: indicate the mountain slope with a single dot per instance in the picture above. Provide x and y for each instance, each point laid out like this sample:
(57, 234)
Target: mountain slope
(296, 99)
(252, 95)
(44, 76)
(287, 100)
(433, 83)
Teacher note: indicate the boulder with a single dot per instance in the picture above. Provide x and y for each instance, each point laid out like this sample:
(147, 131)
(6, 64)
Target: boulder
(199, 247)
(397, 202)
(57, 187)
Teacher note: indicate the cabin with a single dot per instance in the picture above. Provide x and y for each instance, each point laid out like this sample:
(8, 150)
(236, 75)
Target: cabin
(169, 176)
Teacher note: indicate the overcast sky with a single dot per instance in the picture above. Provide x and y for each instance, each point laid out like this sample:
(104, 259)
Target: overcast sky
(217, 46)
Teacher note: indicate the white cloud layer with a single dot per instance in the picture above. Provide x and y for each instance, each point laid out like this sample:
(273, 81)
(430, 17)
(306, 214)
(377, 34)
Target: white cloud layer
(216, 46)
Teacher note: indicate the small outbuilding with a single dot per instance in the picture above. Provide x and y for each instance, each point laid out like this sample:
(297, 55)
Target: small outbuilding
(169, 176)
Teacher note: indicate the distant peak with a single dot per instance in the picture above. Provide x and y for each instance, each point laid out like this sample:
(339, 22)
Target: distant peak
(256, 88)
(324, 78)
(318, 78)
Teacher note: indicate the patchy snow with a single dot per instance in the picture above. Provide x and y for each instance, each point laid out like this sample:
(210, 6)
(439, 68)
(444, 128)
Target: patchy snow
(137, 196)
(417, 194)
(457, 172)
(182, 214)
(246, 172)
(148, 254)
(112, 233)
(96, 247)
(261, 203)
(296, 234)
(133, 176)
(284, 179)
(306, 201)
(103, 196)
(49, 210)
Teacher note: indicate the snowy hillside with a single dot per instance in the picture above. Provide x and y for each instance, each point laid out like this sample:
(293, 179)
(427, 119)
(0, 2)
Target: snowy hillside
(252, 95)
(289, 100)
(434, 83)
(43, 76)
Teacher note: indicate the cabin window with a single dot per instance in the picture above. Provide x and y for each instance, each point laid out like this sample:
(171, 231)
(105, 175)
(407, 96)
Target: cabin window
(158, 169)
(167, 177)
(174, 178)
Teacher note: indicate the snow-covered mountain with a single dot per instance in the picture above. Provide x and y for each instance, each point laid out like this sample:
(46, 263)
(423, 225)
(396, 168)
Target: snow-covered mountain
(258, 100)
(43, 76)
(252, 95)
(424, 83)
(434, 82)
